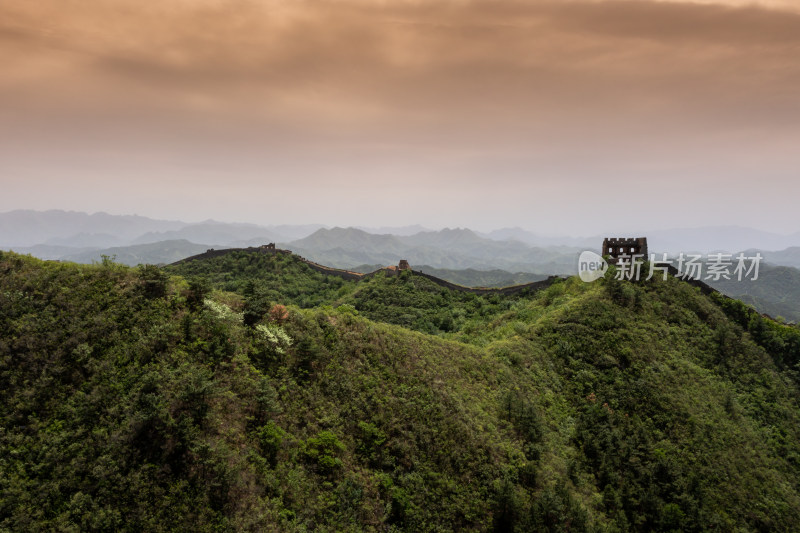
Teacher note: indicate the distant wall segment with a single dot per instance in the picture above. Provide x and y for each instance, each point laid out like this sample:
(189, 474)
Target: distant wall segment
(349, 275)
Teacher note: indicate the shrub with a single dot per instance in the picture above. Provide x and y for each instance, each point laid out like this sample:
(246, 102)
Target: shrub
(323, 452)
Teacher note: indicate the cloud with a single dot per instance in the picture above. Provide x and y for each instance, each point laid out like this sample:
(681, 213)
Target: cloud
(453, 89)
(354, 60)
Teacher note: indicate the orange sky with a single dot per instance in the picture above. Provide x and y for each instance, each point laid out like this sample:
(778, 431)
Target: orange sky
(484, 114)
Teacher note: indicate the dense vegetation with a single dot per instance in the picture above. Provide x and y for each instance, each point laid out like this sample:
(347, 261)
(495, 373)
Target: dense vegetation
(279, 277)
(263, 280)
(137, 399)
(469, 277)
(418, 303)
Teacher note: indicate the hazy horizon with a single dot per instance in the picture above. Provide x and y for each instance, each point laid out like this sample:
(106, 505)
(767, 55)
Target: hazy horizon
(563, 118)
(630, 231)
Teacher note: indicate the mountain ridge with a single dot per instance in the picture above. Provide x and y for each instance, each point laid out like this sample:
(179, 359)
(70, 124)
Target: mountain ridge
(28, 227)
(136, 399)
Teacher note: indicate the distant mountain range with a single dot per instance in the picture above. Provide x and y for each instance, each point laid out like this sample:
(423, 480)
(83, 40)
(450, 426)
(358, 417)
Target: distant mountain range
(788, 257)
(230, 234)
(83, 237)
(776, 292)
(717, 238)
(503, 257)
(25, 229)
(162, 252)
(445, 249)
(69, 228)
(704, 239)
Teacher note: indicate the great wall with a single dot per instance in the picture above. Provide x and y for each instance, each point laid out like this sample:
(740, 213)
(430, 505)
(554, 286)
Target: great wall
(615, 247)
(350, 275)
(611, 248)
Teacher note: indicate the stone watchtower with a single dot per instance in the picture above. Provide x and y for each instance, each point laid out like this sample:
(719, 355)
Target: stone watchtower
(403, 265)
(267, 248)
(616, 247)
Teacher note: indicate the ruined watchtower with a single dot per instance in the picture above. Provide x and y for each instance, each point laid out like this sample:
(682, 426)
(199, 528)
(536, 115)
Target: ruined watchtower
(403, 265)
(616, 247)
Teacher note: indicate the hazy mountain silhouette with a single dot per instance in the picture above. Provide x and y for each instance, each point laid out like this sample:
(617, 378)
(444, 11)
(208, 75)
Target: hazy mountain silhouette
(29, 228)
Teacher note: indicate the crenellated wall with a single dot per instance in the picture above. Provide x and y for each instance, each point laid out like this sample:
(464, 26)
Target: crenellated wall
(513, 289)
(345, 274)
(358, 276)
(616, 246)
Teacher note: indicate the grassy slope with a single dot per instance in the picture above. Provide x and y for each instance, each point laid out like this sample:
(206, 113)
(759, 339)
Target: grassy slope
(606, 406)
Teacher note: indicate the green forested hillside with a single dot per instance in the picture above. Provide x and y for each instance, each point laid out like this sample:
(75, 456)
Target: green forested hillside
(469, 277)
(411, 301)
(138, 400)
(280, 277)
